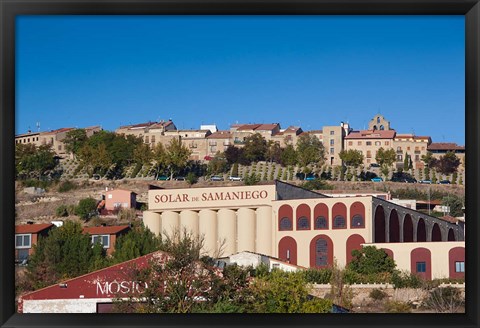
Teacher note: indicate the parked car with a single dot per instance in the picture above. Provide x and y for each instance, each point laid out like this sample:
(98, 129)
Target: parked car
(403, 177)
(377, 179)
(234, 178)
(216, 178)
(426, 181)
(163, 178)
(179, 178)
(444, 182)
(310, 177)
(96, 177)
(374, 165)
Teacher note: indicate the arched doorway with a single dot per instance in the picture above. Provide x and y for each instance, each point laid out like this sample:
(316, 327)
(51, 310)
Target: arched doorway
(436, 233)
(354, 242)
(451, 235)
(287, 250)
(321, 252)
(379, 225)
(394, 228)
(407, 229)
(421, 231)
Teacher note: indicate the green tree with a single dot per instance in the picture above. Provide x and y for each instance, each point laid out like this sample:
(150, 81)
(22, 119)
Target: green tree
(370, 260)
(218, 164)
(448, 163)
(176, 156)
(160, 157)
(385, 158)
(351, 157)
(310, 151)
(455, 203)
(86, 208)
(235, 170)
(137, 242)
(406, 162)
(191, 178)
(274, 152)
(142, 154)
(34, 162)
(75, 140)
(65, 253)
(233, 154)
(289, 156)
(255, 148)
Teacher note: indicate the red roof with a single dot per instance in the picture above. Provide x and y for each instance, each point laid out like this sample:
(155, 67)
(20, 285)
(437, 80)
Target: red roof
(220, 135)
(248, 127)
(449, 218)
(105, 230)
(57, 131)
(444, 146)
(370, 134)
(32, 228)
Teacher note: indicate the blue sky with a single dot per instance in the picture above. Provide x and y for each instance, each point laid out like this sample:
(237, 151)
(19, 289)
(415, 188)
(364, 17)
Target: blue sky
(308, 71)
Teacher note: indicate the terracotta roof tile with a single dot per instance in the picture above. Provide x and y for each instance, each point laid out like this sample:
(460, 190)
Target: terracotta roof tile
(370, 134)
(32, 228)
(108, 230)
(220, 135)
(444, 146)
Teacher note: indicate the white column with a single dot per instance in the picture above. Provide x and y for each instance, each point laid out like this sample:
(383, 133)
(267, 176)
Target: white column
(207, 229)
(153, 221)
(170, 223)
(226, 235)
(246, 230)
(189, 221)
(265, 225)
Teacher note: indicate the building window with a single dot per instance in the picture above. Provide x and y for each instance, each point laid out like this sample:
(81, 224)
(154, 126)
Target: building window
(357, 221)
(153, 139)
(387, 143)
(459, 266)
(359, 143)
(102, 239)
(350, 143)
(321, 252)
(332, 142)
(417, 158)
(369, 154)
(378, 119)
(399, 158)
(321, 223)
(339, 222)
(303, 223)
(399, 148)
(377, 143)
(285, 224)
(146, 139)
(421, 267)
(59, 147)
(382, 127)
(408, 148)
(332, 151)
(23, 241)
(369, 143)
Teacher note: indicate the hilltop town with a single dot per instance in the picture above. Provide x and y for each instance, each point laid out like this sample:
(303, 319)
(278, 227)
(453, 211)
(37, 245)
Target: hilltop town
(311, 204)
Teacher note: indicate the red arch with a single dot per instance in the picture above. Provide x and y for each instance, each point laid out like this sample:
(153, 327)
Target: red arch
(421, 231)
(320, 210)
(285, 211)
(339, 209)
(456, 254)
(421, 255)
(379, 225)
(354, 242)
(407, 229)
(436, 233)
(304, 210)
(389, 252)
(287, 245)
(357, 208)
(312, 251)
(394, 227)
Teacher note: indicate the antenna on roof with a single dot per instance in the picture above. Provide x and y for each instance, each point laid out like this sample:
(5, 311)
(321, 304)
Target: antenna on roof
(38, 126)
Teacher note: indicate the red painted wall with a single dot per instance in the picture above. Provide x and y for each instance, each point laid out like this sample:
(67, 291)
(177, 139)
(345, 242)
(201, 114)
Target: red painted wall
(339, 209)
(357, 208)
(321, 210)
(285, 211)
(456, 254)
(330, 251)
(287, 243)
(304, 210)
(353, 242)
(421, 255)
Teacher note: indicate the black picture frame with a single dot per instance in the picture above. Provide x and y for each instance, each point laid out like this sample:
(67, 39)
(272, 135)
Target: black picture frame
(9, 9)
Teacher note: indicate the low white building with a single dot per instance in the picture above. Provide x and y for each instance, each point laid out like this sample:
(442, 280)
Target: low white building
(247, 258)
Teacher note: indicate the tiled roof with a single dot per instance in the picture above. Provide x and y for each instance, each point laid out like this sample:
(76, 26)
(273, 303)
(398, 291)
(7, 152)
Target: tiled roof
(220, 135)
(449, 218)
(248, 127)
(370, 134)
(57, 131)
(444, 146)
(139, 125)
(268, 127)
(32, 228)
(107, 230)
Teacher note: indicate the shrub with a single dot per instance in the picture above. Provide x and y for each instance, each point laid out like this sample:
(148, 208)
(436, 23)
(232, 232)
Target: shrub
(445, 300)
(66, 186)
(252, 179)
(378, 294)
(397, 307)
(61, 211)
(137, 169)
(86, 208)
(317, 276)
(406, 279)
(126, 214)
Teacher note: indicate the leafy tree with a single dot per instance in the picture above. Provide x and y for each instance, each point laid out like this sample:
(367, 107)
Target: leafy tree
(86, 208)
(34, 162)
(406, 161)
(235, 170)
(161, 159)
(351, 157)
(65, 253)
(75, 140)
(191, 178)
(310, 151)
(137, 242)
(255, 148)
(370, 260)
(448, 163)
(176, 156)
(218, 164)
(274, 152)
(142, 154)
(429, 160)
(233, 154)
(455, 203)
(251, 179)
(288, 156)
(385, 158)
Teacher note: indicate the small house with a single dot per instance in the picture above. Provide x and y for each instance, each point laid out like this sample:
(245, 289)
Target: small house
(106, 235)
(26, 235)
(120, 198)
